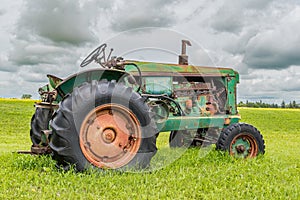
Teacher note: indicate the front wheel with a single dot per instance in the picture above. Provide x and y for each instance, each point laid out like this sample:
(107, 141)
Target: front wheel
(241, 140)
(103, 124)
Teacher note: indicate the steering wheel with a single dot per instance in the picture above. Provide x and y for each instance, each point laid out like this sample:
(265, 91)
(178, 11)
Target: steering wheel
(93, 56)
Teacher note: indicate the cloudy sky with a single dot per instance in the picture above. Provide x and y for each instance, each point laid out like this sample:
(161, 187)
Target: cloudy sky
(259, 38)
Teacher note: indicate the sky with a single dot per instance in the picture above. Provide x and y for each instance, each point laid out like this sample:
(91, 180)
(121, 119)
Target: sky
(258, 38)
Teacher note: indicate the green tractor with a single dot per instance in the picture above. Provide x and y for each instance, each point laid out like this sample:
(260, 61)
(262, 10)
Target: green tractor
(109, 117)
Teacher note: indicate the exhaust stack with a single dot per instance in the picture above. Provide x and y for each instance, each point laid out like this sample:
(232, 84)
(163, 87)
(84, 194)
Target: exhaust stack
(183, 58)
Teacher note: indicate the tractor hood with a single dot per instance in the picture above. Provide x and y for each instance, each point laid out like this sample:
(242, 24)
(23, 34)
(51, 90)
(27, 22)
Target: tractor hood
(166, 69)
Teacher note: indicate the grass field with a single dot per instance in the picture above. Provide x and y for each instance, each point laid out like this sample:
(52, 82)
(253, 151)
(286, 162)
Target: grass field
(196, 174)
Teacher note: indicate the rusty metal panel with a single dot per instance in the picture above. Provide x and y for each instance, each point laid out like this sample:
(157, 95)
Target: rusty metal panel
(159, 69)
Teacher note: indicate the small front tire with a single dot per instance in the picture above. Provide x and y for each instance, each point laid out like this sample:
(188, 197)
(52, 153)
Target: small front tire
(241, 140)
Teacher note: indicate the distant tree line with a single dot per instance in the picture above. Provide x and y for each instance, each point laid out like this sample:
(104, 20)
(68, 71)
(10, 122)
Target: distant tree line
(260, 104)
(26, 96)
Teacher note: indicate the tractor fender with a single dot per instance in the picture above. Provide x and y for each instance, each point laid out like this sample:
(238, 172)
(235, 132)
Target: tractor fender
(67, 85)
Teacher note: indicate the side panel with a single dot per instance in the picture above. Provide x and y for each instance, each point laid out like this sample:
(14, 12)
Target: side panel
(157, 85)
(192, 123)
(231, 94)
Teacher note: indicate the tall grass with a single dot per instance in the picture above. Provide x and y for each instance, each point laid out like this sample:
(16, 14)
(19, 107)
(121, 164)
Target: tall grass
(196, 174)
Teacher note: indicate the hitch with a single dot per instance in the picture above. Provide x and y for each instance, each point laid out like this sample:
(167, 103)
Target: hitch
(43, 148)
(37, 150)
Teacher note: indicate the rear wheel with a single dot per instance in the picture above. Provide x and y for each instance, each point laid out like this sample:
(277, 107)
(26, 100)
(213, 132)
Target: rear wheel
(39, 121)
(241, 140)
(103, 124)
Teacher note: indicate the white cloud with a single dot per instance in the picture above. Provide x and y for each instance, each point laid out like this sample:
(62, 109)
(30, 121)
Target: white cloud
(271, 84)
(136, 14)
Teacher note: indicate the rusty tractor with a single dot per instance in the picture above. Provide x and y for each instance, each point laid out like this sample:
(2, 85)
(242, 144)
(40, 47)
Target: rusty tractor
(110, 116)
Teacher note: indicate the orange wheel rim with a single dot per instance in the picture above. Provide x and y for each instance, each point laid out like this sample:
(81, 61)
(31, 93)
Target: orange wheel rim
(243, 145)
(110, 136)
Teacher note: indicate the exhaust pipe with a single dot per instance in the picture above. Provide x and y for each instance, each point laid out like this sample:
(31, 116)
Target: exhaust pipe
(183, 58)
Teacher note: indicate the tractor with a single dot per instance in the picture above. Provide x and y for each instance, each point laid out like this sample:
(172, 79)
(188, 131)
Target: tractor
(110, 116)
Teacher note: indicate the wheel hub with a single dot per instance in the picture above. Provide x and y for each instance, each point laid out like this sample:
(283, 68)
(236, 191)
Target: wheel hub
(110, 136)
(240, 148)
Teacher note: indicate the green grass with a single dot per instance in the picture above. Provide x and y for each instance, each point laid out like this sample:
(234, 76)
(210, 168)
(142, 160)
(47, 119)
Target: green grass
(195, 174)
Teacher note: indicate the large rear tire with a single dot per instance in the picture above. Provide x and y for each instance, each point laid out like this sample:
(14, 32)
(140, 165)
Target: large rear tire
(241, 140)
(103, 124)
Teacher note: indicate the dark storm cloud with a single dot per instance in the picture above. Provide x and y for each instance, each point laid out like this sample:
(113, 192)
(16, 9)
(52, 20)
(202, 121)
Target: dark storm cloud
(276, 48)
(234, 15)
(47, 38)
(263, 32)
(56, 20)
